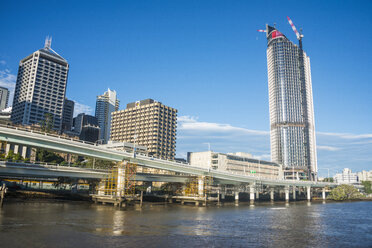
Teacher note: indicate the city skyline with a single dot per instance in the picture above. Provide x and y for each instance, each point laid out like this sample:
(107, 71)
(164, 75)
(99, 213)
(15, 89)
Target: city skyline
(213, 66)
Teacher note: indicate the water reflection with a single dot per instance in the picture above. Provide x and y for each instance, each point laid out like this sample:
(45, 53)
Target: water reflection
(279, 225)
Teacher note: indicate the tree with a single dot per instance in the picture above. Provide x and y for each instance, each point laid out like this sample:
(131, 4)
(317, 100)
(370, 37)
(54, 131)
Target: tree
(17, 157)
(48, 157)
(10, 155)
(344, 192)
(367, 187)
(48, 123)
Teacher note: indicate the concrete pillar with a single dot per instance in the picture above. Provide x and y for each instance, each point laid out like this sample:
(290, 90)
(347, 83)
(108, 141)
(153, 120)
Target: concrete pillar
(121, 179)
(223, 196)
(257, 195)
(323, 194)
(294, 193)
(251, 192)
(16, 149)
(308, 194)
(24, 152)
(271, 194)
(7, 149)
(236, 197)
(201, 186)
(286, 190)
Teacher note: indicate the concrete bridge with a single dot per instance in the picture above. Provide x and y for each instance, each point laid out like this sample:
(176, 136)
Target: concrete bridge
(23, 136)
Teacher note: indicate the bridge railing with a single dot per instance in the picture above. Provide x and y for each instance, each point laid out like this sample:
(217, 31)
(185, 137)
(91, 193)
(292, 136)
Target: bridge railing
(47, 165)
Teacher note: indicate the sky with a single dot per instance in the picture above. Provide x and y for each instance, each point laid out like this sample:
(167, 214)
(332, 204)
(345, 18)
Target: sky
(206, 59)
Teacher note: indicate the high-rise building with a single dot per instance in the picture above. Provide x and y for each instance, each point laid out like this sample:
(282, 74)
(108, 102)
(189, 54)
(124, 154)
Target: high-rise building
(40, 88)
(105, 105)
(292, 130)
(68, 115)
(4, 98)
(148, 123)
(86, 127)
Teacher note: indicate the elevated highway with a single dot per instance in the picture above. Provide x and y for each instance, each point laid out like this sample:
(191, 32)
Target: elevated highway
(61, 144)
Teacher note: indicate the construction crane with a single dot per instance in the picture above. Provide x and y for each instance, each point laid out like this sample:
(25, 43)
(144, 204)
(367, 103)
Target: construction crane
(304, 98)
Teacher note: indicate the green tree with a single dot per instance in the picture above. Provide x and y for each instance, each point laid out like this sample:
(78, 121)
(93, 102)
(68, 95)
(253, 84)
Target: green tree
(48, 123)
(367, 187)
(10, 155)
(344, 192)
(18, 157)
(43, 155)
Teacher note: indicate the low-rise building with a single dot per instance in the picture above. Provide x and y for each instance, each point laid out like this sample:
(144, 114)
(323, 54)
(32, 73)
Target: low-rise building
(365, 175)
(346, 177)
(239, 163)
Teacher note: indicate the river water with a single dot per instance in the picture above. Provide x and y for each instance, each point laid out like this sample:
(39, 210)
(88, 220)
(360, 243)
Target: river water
(81, 224)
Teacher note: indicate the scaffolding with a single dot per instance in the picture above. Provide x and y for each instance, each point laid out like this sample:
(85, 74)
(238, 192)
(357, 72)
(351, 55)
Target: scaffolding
(199, 186)
(130, 177)
(120, 181)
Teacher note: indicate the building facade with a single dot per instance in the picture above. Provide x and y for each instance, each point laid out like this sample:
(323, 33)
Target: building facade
(86, 127)
(292, 129)
(346, 177)
(239, 163)
(365, 175)
(4, 98)
(148, 123)
(105, 105)
(68, 115)
(40, 88)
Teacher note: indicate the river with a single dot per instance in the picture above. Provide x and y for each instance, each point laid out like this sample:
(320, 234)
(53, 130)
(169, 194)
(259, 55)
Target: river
(81, 224)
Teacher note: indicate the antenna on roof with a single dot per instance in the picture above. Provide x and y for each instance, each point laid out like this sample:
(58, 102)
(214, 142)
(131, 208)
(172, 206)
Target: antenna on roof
(48, 42)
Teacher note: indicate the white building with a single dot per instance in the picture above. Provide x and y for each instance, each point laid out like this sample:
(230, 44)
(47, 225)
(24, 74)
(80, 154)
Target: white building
(240, 164)
(105, 105)
(292, 128)
(40, 88)
(365, 175)
(346, 177)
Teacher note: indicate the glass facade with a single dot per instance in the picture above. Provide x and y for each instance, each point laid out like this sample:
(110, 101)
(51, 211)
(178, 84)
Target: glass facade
(290, 117)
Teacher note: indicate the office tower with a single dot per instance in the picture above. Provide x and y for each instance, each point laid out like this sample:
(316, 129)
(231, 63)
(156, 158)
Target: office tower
(86, 127)
(105, 105)
(68, 114)
(4, 98)
(148, 123)
(292, 130)
(40, 88)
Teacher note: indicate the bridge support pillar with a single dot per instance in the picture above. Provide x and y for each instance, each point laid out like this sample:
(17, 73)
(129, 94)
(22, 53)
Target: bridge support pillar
(201, 186)
(286, 190)
(294, 193)
(323, 194)
(271, 194)
(257, 195)
(236, 197)
(251, 193)
(308, 193)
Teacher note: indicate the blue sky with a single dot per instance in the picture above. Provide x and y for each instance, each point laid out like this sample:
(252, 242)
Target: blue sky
(206, 59)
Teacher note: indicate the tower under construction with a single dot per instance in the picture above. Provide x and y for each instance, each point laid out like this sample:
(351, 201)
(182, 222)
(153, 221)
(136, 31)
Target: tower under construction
(292, 130)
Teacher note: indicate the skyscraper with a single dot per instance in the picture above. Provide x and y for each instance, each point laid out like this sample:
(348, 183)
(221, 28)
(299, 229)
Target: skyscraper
(86, 126)
(68, 114)
(40, 87)
(148, 123)
(105, 105)
(4, 98)
(292, 129)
